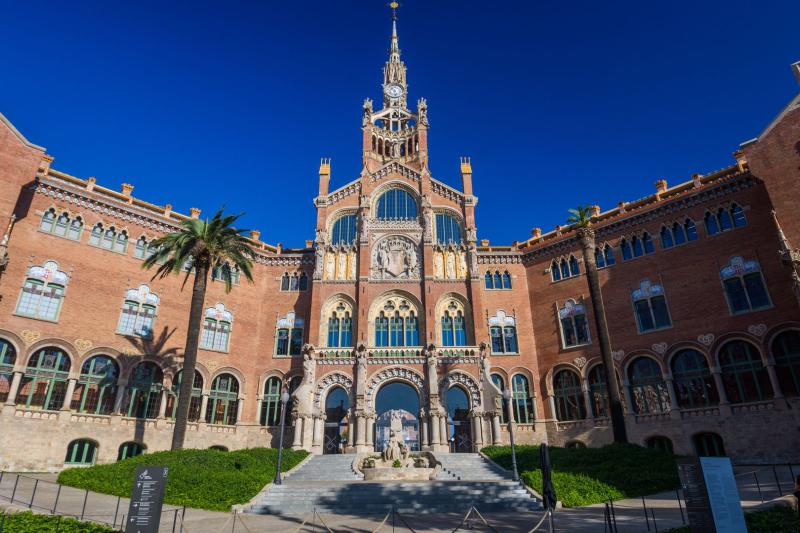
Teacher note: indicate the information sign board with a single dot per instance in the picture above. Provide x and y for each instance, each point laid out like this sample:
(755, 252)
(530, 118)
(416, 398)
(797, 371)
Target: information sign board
(147, 497)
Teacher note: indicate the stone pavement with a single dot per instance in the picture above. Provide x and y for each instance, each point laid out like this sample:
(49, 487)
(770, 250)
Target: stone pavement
(629, 513)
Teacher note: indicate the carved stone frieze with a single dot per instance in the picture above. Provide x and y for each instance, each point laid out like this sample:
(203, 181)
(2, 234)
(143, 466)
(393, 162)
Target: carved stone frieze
(466, 381)
(395, 257)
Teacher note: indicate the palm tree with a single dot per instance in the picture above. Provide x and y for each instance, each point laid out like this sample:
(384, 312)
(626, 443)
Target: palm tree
(581, 218)
(199, 246)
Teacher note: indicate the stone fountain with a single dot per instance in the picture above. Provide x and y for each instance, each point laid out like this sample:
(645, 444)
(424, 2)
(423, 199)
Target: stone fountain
(397, 463)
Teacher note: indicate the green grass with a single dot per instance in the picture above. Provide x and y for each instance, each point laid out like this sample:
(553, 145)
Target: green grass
(28, 522)
(778, 519)
(583, 476)
(204, 479)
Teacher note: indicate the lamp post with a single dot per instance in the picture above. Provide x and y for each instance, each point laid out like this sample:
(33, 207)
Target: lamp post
(284, 401)
(507, 396)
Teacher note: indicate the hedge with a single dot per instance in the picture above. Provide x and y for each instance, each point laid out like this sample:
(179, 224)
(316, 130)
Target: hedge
(28, 522)
(778, 519)
(584, 476)
(204, 479)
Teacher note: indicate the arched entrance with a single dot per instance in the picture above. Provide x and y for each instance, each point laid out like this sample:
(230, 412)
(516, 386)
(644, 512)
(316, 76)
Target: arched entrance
(337, 403)
(397, 409)
(458, 423)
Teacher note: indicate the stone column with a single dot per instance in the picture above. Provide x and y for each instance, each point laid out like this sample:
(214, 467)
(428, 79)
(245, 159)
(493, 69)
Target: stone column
(297, 440)
(203, 408)
(497, 438)
(773, 380)
(587, 400)
(14, 389)
(552, 401)
(319, 433)
(534, 402)
(369, 441)
(361, 430)
(474, 427)
(674, 408)
(351, 429)
(162, 405)
(478, 431)
(724, 403)
(121, 390)
(239, 408)
(444, 434)
(423, 428)
(626, 385)
(68, 395)
(434, 421)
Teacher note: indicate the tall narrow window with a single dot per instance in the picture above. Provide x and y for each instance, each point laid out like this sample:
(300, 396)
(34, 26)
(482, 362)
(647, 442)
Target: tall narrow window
(744, 286)
(8, 357)
(786, 351)
(574, 270)
(555, 272)
(48, 222)
(454, 331)
(344, 230)
(678, 234)
(42, 292)
(143, 398)
(636, 245)
(690, 229)
(506, 280)
(647, 243)
(712, 226)
(487, 281)
(498, 381)
(448, 229)
(608, 253)
(138, 312)
(694, 384)
(412, 330)
(271, 402)
(61, 225)
(44, 384)
(216, 328)
(223, 402)
(737, 214)
(397, 324)
(196, 402)
(743, 373)
(523, 403)
(650, 307)
(568, 396)
(598, 393)
(381, 330)
(648, 390)
(503, 333)
(289, 335)
(599, 258)
(574, 328)
(96, 390)
(625, 249)
(666, 238)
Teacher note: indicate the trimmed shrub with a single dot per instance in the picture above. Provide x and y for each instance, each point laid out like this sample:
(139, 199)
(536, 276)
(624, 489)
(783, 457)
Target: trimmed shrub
(204, 479)
(583, 476)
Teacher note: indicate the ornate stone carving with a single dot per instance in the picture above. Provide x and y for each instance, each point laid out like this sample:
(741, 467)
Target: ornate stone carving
(329, 381)
(618, 355)
(660, 348)
(465, 380)
(580, 362)
(389, 374)
(757, 330)
(395, 257)
(30, 336)
(82, 345)
(706, 340)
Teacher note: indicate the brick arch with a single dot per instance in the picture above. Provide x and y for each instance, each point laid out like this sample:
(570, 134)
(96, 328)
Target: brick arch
(733, 336)
(235, 372)
(629, 358)
(686, 345)
(18, 344)
(773, 332)
(55, 342)
(396, 373)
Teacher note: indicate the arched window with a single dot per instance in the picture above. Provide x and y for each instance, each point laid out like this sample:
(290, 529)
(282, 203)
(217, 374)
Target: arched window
(140, 250)
(397, 324)
(599, 258)
(216, 328)
(62, 226)
(636, 246)
(662, 444)
(121, 242)
(498, 381)
(568, 396)
(487, 280)
(564, 268)
(694, 384)
(294, 282)
(138, 312)
(648, 391)
(574, 270)
(690, 229)
(650, 307)
(144, 391)
(129, 449)
(506, 280)
(271, 401)
(574, 328)
(554, 271)
(625, 249)
(196, 401)
(711, 223)
(303, 283)
(724, 218)
(608, 254)
(285, 282)
(48, 222)
(44, 384)
(218, 273)
(503, 332)
(786, 351)
(344, 230)
(666, 238)
(708, 445)
(454, 331)
(223, 402)
(448, 229)
(42, 292)
(397, 204)
(744, 286)
(647, 242)
(744, 375)
(8, 357)
(340, 326)
(96, 236)
(678, 234)
(598, 393)
(289, 335)
(737, 214)
(81, 452)
(498, 280)
(523, 403)
(96, 390)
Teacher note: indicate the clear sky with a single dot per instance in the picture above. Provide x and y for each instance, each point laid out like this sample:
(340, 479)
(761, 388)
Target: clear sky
(558, 103)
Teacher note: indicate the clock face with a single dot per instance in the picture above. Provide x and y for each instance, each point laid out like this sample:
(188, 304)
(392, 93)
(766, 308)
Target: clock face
(394, 91)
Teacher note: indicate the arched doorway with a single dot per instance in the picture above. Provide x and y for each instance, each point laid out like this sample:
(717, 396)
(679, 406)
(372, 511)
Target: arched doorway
(459, 429)
(397, 409)
(337, 403)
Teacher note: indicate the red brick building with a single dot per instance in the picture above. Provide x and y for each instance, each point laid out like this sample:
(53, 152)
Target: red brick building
(397, 306)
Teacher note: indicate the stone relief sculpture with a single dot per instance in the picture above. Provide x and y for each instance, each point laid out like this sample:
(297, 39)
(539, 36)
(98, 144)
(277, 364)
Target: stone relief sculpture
(330, 265)
(395, 258)
(319, 263)
(395, 449)
(438, 265)
(353, 269)
(342, 272)
(462, 264)
(450, 266)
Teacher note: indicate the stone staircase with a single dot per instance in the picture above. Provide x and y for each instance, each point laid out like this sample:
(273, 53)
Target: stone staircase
(328, 484)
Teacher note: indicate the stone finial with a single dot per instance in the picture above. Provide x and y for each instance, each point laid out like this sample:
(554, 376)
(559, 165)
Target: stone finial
(661, 187)
(741, 160)
(796, 71)
(484, 242)
(255, 234)
(309, 243)
(696, 180)
(279, 248)
(194, 212)
(44, 164)
(595, 210)
(621, 205)
(90, 182)
(127, 189)
(325, 166)
(466, 165)
(167, 210)
(536, 232)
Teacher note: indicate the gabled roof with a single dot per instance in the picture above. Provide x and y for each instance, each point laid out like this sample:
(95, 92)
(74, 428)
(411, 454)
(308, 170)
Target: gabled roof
(792, 106)
(19, 135)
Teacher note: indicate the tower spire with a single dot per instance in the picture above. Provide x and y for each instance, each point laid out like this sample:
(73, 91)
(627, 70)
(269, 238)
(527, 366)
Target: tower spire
(394, 72)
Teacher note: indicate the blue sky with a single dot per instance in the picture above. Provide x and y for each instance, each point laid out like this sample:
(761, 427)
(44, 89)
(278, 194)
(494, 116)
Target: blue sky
(211, 103)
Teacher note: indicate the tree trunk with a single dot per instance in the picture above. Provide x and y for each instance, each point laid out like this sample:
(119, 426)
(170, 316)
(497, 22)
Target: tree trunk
(586, 238)
(190, 355)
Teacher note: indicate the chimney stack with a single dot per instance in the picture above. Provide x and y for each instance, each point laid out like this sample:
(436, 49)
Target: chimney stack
(324, 175)
(194, 212)
(466, 176)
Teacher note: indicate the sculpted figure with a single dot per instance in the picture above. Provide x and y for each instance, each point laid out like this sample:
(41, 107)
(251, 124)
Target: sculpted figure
(319, 263)
(462, 264)
(471, 234)
(353, 271)
(438, 266)
(330, 265)
(451, 266)
(391, 451)
(342, 272)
